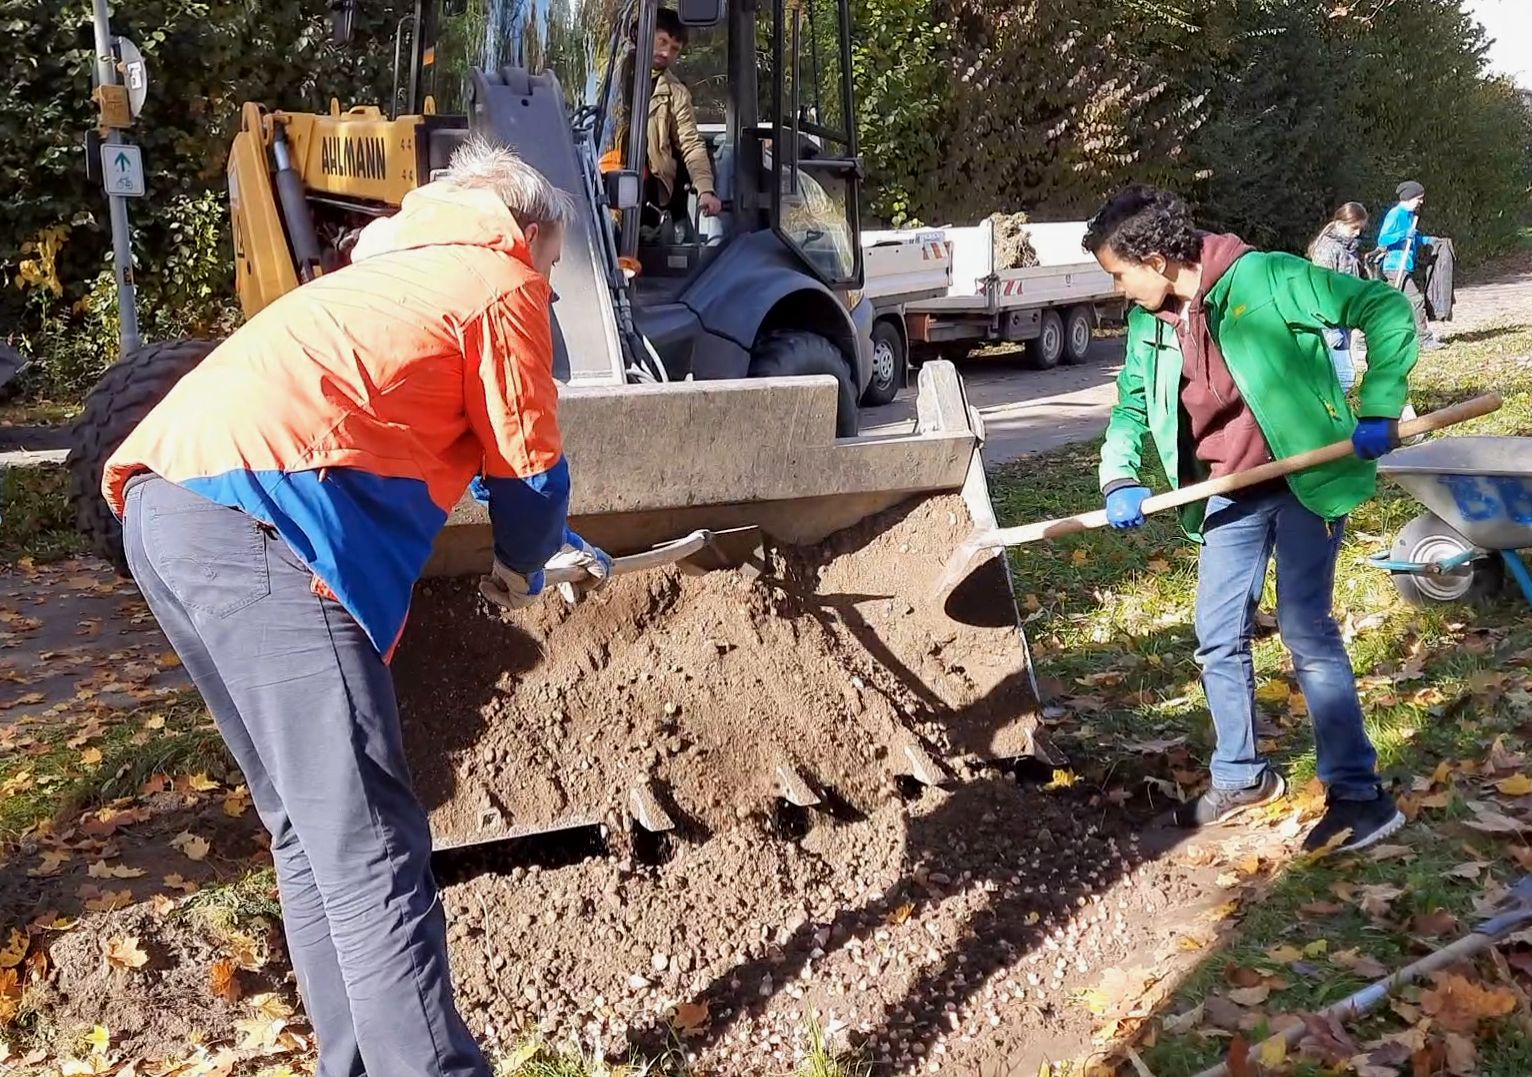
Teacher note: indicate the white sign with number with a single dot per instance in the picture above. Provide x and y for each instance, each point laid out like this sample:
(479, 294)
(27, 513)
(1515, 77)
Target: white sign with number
(122, 171)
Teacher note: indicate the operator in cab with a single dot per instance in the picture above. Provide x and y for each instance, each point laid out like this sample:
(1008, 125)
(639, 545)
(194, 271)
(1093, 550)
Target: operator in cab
(278, 507)
(672, 135)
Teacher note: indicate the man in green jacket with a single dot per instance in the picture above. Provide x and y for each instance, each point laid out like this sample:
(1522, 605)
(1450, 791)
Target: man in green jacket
(1227, 368)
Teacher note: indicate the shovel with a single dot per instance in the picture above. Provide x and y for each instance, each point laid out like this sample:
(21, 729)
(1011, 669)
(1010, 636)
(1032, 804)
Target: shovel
(696, 553)
(976, 548)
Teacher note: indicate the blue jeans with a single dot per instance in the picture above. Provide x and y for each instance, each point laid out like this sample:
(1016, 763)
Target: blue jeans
(1339, 342)
(1241, 534)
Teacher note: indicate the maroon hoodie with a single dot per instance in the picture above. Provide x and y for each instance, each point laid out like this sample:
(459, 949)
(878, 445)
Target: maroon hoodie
(1221, 426)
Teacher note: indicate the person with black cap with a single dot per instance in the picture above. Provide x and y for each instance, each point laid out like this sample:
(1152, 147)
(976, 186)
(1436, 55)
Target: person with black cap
(1400, 240)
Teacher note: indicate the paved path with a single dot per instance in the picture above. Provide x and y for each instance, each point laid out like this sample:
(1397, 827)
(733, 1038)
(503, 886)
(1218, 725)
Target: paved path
(1029, 411)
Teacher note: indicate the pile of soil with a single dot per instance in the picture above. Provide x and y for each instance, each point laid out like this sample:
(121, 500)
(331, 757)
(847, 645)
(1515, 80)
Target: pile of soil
(835, 661)
(1013, 246)
(910, 920)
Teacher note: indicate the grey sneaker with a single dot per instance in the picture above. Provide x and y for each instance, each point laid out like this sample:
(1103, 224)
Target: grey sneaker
(1218, 805)
(1354, 824)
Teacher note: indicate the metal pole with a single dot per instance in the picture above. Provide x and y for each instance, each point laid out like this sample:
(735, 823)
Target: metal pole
(122, 243)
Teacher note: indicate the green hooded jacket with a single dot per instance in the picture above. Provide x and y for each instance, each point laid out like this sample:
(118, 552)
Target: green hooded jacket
(1268, 314)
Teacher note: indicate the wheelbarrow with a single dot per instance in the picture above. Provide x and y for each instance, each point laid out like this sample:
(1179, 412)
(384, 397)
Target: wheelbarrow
(1478, 495)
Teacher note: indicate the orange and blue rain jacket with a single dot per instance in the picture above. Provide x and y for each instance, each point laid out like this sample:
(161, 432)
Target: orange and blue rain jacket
(351, 414)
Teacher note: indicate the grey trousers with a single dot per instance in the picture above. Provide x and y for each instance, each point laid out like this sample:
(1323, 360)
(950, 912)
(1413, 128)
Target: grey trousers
(1417, 298)
(307, 708)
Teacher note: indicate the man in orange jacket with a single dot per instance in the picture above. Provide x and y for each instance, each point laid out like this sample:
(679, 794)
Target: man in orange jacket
(278, 507)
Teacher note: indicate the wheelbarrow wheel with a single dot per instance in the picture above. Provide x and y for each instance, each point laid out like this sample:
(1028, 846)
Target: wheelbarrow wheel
(1426, 539)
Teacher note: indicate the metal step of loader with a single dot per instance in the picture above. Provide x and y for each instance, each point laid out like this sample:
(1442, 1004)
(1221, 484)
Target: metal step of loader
(836, 672)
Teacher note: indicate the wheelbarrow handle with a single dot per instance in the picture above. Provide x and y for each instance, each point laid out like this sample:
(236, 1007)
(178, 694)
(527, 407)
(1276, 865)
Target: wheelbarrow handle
(1201, 491)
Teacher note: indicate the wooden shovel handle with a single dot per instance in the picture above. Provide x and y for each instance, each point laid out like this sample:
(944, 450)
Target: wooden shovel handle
(1276, 469)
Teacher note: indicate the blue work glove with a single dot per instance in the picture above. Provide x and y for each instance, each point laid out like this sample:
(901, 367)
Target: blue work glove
(1374, 437)
(577, 553)
(1125, 507)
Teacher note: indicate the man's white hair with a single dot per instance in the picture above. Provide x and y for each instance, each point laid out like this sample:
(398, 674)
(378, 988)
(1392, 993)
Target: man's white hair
(526, 192)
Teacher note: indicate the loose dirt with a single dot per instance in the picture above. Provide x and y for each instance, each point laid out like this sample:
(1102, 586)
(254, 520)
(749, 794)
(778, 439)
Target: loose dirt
(917, 922)
(837, 662)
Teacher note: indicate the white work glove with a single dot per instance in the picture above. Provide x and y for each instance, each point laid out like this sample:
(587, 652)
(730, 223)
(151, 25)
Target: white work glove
(577, 553)
(509, 589)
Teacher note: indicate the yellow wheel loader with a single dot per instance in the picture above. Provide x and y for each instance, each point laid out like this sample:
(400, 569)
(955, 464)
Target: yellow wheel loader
(710, 372)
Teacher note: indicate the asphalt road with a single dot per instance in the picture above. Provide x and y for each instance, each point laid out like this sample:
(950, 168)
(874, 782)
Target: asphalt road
(1025, 411)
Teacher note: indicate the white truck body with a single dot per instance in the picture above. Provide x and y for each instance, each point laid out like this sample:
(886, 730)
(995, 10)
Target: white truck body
(1053, 306)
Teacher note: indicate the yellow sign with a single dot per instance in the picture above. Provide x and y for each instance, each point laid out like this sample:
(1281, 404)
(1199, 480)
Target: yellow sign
(113, 103)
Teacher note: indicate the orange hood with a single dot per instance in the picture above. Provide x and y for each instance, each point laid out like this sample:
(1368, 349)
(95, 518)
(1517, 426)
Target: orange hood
(441, 215)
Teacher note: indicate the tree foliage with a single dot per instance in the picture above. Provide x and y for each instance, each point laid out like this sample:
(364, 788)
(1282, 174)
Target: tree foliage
(205, 58)
(1267, 113)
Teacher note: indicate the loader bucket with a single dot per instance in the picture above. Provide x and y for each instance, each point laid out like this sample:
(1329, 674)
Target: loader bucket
(820, 678)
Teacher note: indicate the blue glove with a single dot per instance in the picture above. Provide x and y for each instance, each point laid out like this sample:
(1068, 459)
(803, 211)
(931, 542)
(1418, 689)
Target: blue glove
(1125, 507)
(1374, 437)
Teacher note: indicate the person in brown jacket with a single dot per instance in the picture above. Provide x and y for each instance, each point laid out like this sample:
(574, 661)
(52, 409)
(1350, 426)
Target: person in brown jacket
(673, 134)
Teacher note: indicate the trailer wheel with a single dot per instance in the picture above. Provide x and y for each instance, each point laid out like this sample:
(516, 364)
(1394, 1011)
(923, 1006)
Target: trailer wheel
(1427, 538)
(787, 353)
(889, 360)
(1046, 349)
(1079, 327)
(127, 392)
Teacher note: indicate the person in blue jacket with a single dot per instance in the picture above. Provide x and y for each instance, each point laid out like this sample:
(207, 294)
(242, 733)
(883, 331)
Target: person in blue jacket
(1400, 239)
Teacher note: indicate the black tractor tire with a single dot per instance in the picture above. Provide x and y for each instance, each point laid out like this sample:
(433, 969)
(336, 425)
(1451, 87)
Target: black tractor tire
(117, 403)
(786, 353)
(1428, 538)
(1079, 329)
(1045, 351)
(889, 362)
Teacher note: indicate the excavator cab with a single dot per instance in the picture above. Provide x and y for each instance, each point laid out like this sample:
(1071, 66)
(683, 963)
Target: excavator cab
(767, 287)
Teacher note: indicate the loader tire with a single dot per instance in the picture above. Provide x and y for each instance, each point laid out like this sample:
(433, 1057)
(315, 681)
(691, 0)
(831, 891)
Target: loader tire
(789, 353)
(117, 403)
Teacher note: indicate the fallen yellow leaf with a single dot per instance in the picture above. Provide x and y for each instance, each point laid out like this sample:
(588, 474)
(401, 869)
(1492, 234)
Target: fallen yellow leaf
(236, 802)
(1284, 955)
(91, 757)
(1062, 779)
(126, 953)
(109, 900)
(1080, 557)
(156, 722)
(15, 948)
(100, 1040)
(193, 847)
(1517, 785)
(1272, 1052)
(1317, 948)
(101, 870)
(1159, 566)
(202, 783)
(900, 914)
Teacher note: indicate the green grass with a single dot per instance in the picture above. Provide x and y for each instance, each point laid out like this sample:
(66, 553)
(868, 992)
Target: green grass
(62, 784)
(1110, 625)
(35, 518)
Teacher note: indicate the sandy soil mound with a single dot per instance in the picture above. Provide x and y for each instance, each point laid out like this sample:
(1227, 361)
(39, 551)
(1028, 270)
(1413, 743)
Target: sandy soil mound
(837, 662)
